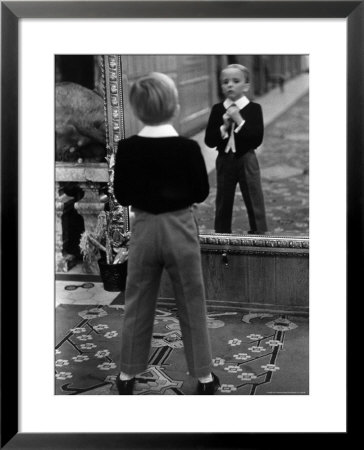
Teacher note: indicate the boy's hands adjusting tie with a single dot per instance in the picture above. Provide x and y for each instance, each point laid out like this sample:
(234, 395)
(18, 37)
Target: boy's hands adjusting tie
(230, 117)
(234, 114)
(227, 121)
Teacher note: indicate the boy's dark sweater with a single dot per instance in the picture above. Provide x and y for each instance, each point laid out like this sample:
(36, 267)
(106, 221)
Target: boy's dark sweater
(160, 174)
(249, 137)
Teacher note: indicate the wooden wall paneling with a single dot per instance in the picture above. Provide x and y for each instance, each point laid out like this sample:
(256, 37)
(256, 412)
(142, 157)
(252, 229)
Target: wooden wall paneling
(292, 281)
(214, 79)
(225, 283)
(144, 65)
(261, 279)
(253, 282)
(195, 105)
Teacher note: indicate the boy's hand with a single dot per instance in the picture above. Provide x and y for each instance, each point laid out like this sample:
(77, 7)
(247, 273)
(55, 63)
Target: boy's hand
(234, 114)
(227, 120)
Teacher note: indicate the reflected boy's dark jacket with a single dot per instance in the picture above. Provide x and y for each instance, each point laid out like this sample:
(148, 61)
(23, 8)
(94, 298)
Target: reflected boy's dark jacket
(249, 137)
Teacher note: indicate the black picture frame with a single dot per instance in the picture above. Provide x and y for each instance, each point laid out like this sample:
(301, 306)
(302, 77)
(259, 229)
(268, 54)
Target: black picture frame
(11, 13)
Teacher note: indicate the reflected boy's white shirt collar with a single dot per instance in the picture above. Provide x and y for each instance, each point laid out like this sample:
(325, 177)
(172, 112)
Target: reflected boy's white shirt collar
(165, 130)
(240, 102)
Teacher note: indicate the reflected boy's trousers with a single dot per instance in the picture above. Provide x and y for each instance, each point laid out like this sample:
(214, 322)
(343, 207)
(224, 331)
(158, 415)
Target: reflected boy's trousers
(231, 170)
(168, 240)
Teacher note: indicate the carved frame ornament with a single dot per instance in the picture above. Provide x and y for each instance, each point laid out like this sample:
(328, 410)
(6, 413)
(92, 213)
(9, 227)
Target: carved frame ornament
(111, 68)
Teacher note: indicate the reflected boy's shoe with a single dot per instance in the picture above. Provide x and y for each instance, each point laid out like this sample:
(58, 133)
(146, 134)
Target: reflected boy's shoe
(125, 387)
(209, 388)
(262, 233)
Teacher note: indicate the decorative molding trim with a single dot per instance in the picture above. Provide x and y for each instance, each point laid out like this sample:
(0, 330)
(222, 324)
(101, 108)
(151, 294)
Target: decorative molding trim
(111, 69)
(254, 244)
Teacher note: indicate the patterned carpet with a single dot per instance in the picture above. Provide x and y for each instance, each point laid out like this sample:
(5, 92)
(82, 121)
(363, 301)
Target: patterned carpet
(253, 354)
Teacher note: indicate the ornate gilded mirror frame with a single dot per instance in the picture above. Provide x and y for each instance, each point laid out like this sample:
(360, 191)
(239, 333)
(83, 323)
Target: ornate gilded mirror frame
(210, 243)
(111, 69)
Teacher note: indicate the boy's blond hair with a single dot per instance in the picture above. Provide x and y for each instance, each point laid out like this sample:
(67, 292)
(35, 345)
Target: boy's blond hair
(244, 69)
(154, 98)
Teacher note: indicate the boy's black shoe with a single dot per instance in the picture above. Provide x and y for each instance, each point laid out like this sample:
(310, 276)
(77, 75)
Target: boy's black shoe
(125, 387)
(209, 388)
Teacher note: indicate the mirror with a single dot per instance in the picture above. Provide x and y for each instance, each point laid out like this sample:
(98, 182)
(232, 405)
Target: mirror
(93, 114)
(279, 83)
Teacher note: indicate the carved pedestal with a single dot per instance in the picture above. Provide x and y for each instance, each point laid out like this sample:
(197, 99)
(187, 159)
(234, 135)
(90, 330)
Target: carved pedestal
(90, 205)
(90, 177)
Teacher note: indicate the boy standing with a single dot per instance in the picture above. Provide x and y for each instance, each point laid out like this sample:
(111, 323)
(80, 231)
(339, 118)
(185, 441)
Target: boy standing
(236, 129)
(161, 175)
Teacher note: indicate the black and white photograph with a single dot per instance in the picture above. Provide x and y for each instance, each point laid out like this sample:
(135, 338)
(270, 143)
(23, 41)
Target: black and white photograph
(182, 224)
(181, 215)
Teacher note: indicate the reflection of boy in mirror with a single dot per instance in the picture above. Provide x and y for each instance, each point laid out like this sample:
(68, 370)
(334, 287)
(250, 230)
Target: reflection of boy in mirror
(161, 175)
(235, 128)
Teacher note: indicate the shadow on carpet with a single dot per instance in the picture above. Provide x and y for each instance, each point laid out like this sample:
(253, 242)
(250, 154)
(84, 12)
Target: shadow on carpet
(253, 354)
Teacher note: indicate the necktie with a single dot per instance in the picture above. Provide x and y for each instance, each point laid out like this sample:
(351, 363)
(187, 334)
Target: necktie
(231, 142)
